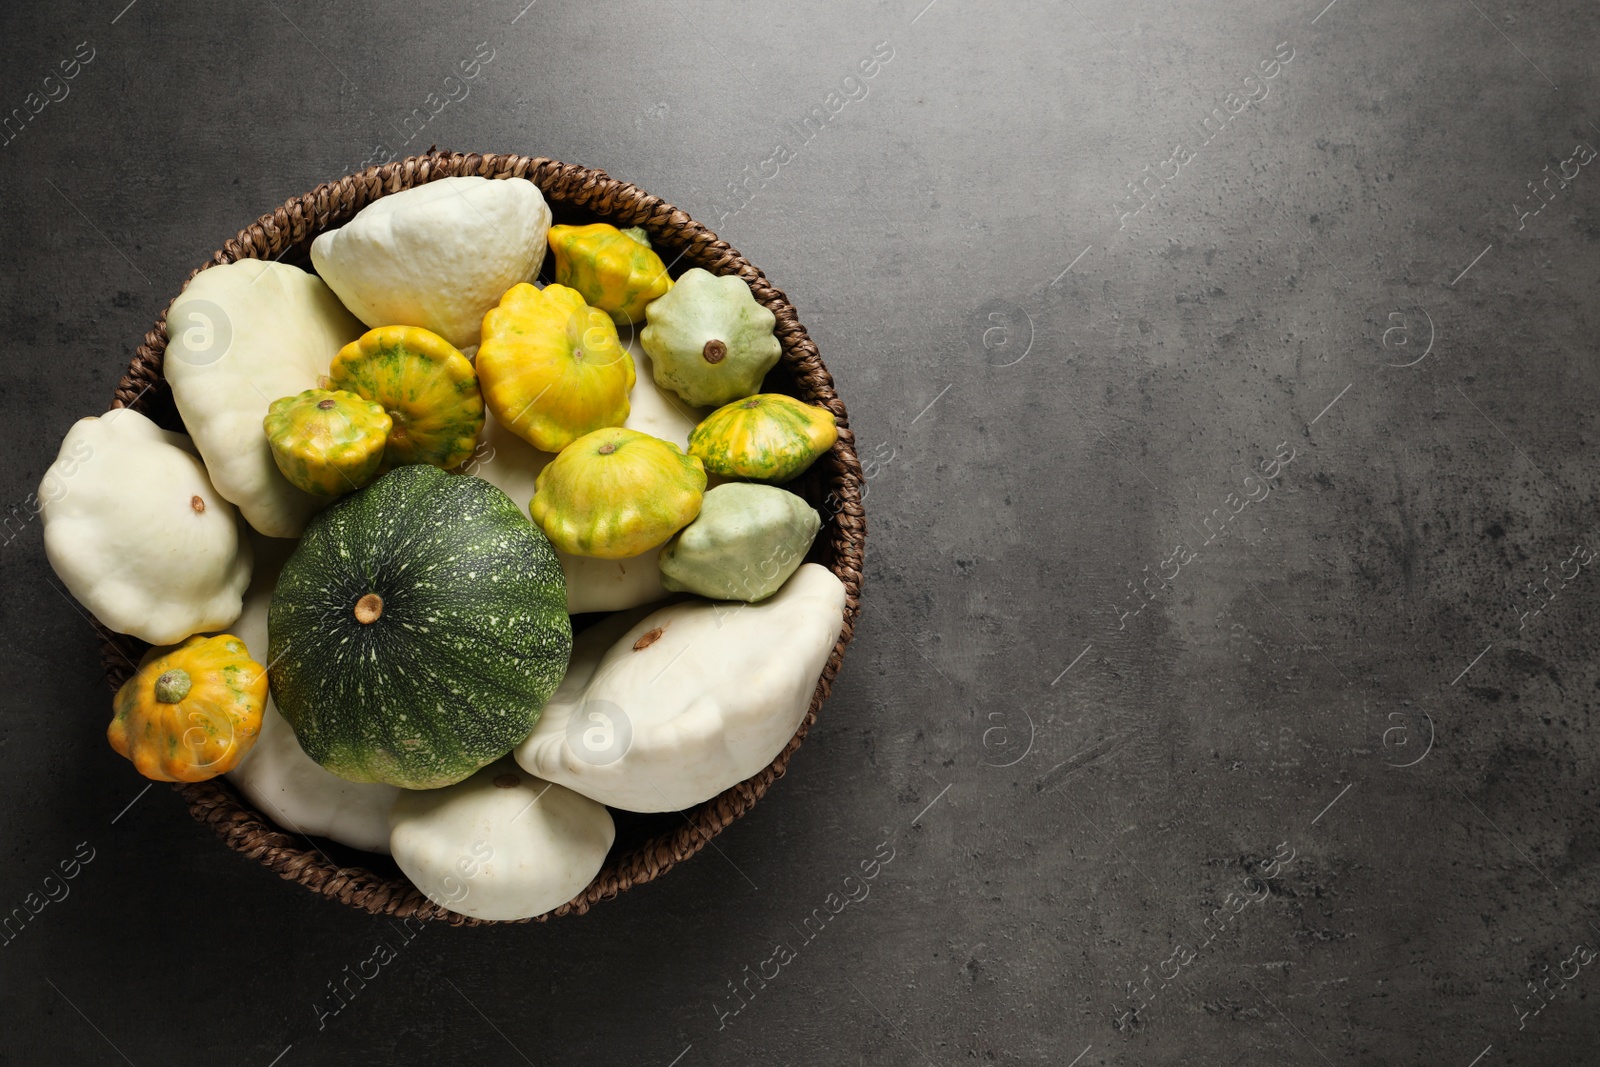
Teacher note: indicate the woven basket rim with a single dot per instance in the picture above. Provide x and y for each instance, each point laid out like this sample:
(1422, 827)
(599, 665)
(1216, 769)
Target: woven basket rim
(291, 226)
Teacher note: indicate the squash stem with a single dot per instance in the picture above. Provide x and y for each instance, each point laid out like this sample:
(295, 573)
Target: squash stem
(173, 685)
(369, 608)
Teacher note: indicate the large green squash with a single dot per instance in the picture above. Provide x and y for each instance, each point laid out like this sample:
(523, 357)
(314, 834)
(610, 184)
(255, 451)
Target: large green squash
(417, 630)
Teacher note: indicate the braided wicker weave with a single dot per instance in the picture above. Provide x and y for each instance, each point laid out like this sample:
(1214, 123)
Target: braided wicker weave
(833, 484)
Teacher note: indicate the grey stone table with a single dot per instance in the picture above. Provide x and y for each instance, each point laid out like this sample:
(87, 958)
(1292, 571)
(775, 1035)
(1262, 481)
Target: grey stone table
(1225, 377)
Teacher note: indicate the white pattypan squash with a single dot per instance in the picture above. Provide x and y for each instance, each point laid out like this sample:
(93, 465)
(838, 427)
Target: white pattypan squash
(513, 466)
(137, 532)
(500, 845)
(693, 698)
(438, 255)
(242, 335)
(657, 411)
(285, 784)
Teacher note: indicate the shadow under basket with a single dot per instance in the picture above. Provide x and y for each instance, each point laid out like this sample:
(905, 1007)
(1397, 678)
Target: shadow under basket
(647, 846)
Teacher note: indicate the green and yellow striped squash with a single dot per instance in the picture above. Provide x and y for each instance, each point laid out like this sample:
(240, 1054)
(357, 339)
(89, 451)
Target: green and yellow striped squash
(768, 437)
(327, 441)
(427, 387)
(616, 270)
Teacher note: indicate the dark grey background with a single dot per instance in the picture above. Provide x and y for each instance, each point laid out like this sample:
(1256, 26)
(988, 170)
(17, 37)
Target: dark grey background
(1037, 441)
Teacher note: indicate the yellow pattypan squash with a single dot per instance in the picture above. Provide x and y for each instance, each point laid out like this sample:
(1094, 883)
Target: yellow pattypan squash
(616, 270)
(768, 437)
(553, 368)
(426, 386)
(191, 712)
(327, 441)
(617, 492)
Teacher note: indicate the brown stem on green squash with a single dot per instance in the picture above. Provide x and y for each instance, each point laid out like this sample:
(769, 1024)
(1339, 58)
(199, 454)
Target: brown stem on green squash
(173, 686)
(326, 405)
(714, 351)
(369, 608)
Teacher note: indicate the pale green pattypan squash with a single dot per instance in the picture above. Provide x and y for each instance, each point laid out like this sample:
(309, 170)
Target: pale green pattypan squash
(710, 341)
(691, 699)
(242, 335)
(276, 775)
(743, 545)
(513, 465)
(137, 533)
(437, 256)
(500, 845)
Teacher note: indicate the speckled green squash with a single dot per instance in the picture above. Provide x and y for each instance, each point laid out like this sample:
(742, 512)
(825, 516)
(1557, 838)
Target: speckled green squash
(768, 437)
(327, 441)
(428, 388)
(417, 630)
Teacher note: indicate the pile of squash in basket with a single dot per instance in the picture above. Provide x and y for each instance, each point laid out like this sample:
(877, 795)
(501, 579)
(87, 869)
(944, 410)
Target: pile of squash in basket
(404, 473)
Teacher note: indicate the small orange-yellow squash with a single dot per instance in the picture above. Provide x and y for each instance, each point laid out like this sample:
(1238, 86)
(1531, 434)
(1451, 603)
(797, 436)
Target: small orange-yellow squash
(191, 712)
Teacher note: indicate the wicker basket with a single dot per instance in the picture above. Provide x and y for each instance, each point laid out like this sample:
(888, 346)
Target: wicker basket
(647, 846)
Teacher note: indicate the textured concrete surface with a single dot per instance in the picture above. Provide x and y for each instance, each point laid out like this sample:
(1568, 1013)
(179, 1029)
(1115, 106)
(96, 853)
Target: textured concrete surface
(1223, 692)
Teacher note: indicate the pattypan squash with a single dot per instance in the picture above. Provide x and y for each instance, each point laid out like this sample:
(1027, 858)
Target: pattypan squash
(327, 441)
(743, 545)
(768, 437)
(616, 492)
(417, 630)
(500, 845)
(657, 411)
(616, 270)
(514, 465)
(691, 699)
(710, 340)
(303, 797)
(426, 386)
(190, 712)
(552, 366)
(137, 533)
(242, 335)
(285, 784)
(437, 255)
